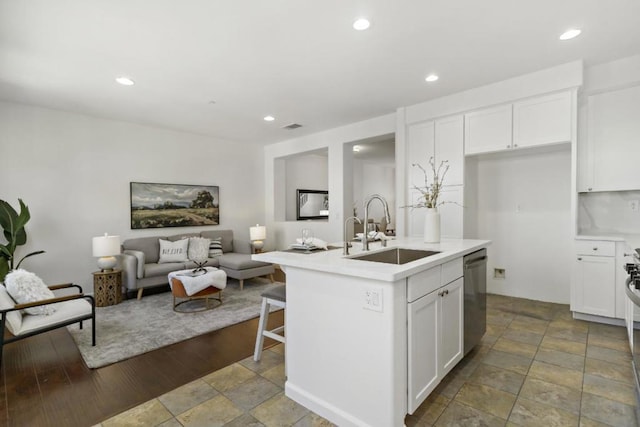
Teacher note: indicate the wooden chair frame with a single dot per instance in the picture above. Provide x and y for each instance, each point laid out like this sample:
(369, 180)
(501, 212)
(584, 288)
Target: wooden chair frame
(80, 319)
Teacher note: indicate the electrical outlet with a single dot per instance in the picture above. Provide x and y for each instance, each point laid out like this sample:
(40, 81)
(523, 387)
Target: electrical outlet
(634, 205)
(373, 299)
(499, 273)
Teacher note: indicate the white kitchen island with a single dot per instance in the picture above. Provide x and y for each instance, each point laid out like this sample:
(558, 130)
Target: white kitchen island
(361, 350)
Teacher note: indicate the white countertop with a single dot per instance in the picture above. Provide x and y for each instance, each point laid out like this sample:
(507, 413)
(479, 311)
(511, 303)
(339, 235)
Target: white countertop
(333, 261)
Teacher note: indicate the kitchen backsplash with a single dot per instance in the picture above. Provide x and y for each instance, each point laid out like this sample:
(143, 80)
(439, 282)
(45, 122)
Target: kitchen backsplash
(609, 211)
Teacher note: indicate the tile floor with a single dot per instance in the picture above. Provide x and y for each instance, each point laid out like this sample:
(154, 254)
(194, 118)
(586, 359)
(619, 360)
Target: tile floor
(536, 366)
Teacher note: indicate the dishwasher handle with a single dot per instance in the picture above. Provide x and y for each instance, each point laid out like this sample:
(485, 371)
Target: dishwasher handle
(475, 262)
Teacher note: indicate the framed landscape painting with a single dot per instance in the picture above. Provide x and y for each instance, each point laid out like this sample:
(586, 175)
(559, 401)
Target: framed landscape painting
(173, 205)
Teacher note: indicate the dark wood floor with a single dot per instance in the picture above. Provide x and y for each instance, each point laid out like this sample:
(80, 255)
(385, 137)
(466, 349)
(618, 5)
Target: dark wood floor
(46, 383)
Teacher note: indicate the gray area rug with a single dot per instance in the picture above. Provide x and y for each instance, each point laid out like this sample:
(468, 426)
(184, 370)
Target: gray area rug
(135, 327)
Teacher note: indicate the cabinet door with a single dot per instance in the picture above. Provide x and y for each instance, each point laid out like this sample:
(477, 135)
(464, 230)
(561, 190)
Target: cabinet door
(612, 137)
(594, 285)
(449, 144)
(542, 120)
(488, 130)
(423, 337)
(420, 149)
(451, 325)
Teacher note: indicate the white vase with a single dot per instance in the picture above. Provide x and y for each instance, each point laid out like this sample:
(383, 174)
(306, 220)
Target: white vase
(432, 226)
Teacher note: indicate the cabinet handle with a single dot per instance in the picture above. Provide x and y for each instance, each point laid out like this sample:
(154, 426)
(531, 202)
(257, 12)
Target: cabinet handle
(595, 248)
(446, 292)
(589, 188)
(579, 259)
(508, 146)
(515, 145)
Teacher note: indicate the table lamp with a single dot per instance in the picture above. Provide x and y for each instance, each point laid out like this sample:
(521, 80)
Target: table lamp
(257, 235)
(105, 247)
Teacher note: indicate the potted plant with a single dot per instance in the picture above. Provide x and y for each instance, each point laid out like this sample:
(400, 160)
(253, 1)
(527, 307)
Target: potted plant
(430, 198)
(12, 225)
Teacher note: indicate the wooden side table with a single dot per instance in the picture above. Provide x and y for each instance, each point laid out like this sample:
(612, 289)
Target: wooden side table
(107, 287)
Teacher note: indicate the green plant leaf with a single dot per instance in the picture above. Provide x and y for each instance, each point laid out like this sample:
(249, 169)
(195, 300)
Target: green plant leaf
(27, 256)
(13, 224)
(4, 268)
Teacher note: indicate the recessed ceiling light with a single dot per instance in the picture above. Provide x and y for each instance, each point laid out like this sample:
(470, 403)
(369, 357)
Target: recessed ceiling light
(125, 81)
(269, 118)
(356, 148)
(431, 78)
(569, 34)
(361, 24)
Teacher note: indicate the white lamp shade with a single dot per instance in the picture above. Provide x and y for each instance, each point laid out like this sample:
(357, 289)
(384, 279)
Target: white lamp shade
(259, 232)
(106, 245)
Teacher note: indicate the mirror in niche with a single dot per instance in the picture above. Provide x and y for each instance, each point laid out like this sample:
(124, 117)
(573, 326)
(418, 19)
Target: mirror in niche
(312, 204)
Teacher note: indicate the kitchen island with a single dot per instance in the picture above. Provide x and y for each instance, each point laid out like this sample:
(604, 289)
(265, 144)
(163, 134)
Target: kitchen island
(368, 341)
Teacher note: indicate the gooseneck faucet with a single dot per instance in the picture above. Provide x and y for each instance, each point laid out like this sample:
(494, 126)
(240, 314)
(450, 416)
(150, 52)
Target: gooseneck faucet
(365, 241)
(346, 240)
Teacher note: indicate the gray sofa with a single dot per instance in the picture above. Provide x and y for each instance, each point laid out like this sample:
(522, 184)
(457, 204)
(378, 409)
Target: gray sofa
(139, 261)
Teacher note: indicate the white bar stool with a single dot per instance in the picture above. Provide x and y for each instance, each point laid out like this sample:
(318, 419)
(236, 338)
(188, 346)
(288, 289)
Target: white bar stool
(275, 296)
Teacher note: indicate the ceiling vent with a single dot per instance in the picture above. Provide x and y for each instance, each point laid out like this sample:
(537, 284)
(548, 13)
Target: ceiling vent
(292, 126)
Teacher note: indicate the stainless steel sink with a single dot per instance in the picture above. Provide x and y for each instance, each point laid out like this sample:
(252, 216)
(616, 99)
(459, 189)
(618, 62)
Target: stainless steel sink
(396, 256)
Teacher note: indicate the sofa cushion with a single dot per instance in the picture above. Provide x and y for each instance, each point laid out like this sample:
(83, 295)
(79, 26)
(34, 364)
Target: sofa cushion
(239, 261)
(211, 262)
(25, 287)
(173, 251)
(149, 245)
(155, 269)
(227, 238)
(182, 236)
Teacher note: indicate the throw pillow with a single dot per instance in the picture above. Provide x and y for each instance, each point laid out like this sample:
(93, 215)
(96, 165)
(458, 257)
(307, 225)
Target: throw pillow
(24, 287)
(198, 248)
(215, 247)
(173, 251)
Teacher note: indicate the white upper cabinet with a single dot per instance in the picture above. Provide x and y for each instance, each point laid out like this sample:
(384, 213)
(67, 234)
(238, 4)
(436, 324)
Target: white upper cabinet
(419, 149)
(613, 141)
(449, 141)
(488, 130)
(441, 139)
(532, 122)
(542, 120)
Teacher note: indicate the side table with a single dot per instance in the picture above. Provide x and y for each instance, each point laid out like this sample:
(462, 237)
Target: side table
(107, 287)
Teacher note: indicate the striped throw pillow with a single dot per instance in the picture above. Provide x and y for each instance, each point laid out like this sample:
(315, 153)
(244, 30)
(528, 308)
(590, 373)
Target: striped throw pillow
(215, 247)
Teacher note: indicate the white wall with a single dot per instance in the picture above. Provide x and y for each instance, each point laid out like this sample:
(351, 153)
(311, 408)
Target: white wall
(524, 208)
(308, 172)
(340, 178)
(73, 172)
(371, 178)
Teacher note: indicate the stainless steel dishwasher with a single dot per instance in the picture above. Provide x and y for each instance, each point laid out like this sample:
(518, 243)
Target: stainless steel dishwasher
(475, 298)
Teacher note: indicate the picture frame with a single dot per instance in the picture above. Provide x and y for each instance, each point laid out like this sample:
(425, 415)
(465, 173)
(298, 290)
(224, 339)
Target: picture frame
(312, 204)
(155, 205)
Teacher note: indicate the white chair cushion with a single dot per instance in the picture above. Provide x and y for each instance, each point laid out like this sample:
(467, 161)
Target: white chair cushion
(65, 310)
(14, 318)
(25, 287)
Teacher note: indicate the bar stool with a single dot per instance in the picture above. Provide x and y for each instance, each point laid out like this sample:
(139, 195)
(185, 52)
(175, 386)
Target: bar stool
(275, 296)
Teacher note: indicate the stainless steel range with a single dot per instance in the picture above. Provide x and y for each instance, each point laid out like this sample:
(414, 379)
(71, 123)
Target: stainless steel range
(632, 318)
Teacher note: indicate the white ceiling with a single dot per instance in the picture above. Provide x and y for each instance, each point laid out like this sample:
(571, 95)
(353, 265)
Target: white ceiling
(298, 60)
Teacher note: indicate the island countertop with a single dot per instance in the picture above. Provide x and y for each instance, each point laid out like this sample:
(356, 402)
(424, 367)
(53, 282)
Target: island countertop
(334, 261)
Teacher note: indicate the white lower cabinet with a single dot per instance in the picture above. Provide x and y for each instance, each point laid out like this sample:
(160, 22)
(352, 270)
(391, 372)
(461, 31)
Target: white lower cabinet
(435, 341)
(594, 278)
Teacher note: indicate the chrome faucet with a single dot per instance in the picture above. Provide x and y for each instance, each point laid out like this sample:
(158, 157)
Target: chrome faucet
(346, 240)
(365, 241)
